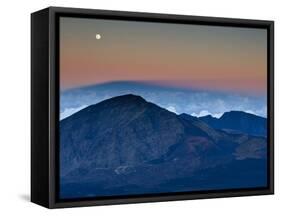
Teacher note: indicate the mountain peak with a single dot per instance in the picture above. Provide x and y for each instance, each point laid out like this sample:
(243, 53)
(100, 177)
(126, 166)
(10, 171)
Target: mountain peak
(126, 98)
(239, 114)
(130, 97)
(238, 121)
(121, 100)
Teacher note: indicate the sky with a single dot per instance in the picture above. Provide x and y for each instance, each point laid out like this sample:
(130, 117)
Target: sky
(228, 59)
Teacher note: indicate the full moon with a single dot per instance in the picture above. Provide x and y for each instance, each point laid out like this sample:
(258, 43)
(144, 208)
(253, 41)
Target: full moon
(98, 36)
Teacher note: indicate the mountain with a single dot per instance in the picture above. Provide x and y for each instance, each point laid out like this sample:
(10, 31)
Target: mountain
(133, 130)
(126, 145)
(238, 121)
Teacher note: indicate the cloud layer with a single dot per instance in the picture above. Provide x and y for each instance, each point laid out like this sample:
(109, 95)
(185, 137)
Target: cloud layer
(197, 103)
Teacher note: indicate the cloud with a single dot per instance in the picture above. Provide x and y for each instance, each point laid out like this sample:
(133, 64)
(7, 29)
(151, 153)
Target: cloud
(172, 109)
(197, 103)
(206, 112)
(250, 111)
(69, 111)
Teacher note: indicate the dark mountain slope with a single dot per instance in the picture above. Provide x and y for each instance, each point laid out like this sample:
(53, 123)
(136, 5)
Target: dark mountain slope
(124, 130)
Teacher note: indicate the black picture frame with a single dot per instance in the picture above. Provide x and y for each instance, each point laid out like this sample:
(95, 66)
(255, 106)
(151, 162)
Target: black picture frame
(45, 105)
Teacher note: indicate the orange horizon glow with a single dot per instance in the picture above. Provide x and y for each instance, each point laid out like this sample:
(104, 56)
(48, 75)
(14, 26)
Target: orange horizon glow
(189, 56)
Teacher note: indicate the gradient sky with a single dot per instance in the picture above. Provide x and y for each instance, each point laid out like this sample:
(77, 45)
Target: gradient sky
(190, 56)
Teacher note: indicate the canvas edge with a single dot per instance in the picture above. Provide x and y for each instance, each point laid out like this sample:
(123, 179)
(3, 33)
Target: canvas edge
(39, 189)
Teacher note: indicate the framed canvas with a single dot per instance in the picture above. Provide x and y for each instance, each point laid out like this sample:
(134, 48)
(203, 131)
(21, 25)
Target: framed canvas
(139, 107)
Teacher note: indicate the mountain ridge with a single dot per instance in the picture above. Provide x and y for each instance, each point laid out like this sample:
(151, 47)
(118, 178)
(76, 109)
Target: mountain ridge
(238, 122)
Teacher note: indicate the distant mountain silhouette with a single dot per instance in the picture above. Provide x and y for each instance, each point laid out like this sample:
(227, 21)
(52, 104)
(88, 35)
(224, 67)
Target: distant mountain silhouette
(126, 145)
(238, 121)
